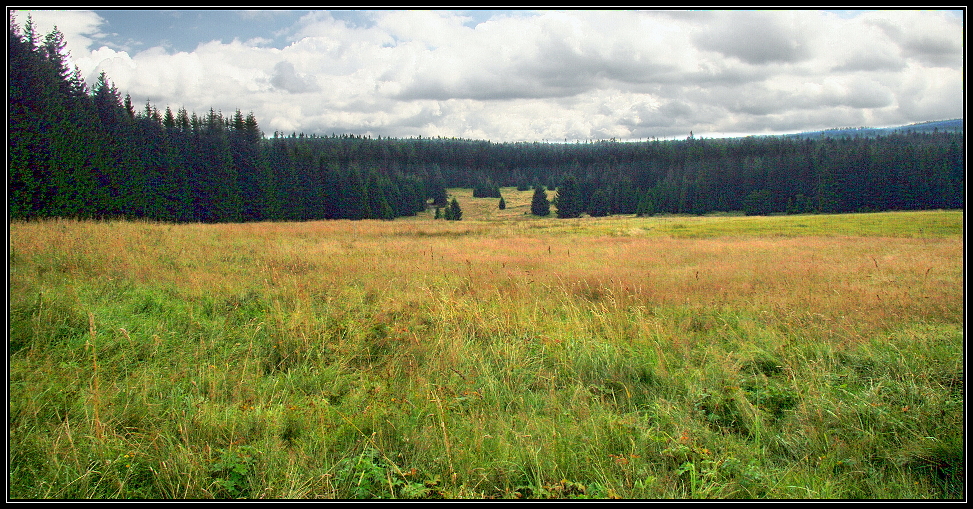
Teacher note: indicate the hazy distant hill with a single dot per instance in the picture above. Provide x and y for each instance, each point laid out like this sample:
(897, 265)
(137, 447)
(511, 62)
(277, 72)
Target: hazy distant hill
(954, 125)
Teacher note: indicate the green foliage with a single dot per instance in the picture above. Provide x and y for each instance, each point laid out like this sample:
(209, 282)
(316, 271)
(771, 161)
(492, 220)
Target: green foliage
(758, 203)
(233, 470)
(646, 205)
(370, 476)
(539, 205)
(364, 476)
(568, 200)
(799, 204)
(486, 188)
(563, 489)
(599, 205)
(146, 362)
(45, 321)
(766, 392)
(439, 196)
(453, 212)
(899, 224)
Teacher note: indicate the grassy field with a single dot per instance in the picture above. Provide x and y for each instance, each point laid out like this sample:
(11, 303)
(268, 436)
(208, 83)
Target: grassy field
(502, 356)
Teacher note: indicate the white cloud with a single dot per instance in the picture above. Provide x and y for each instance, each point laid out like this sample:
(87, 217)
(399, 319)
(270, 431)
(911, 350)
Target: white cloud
(758, 37)
(556, 74)
(286, 78)
(933, 38)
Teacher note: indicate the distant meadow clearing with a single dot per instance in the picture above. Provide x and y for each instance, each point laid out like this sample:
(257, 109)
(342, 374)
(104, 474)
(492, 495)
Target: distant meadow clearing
(501, 356)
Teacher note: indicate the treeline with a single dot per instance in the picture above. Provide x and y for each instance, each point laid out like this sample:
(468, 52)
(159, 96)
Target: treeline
(759, 175)
(75, 152)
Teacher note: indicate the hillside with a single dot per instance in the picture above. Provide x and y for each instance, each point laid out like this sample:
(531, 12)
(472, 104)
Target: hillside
(954, 125)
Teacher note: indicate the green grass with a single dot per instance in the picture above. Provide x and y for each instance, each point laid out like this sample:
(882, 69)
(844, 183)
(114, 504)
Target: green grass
(502, 356)
(483, 213)
(920, 224)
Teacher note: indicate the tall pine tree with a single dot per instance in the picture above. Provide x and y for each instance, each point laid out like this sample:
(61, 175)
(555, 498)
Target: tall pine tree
(539, 205)
(568, 200)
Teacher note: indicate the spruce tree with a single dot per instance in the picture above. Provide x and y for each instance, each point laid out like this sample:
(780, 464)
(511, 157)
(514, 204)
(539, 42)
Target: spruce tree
(646, 205)
(600, 206)
(438, 195)
(485, 188)
(568, 200)
(758, 203)
(454, 213)
(539, 205)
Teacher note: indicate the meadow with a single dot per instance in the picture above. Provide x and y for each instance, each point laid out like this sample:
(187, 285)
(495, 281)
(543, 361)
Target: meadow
(502, 356)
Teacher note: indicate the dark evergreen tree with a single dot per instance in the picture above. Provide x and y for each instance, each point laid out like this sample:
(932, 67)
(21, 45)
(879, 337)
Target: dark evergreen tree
(378, 204)
(453, 212)
(568, 199)
(438, 195)
(485, 188)
(539, 205)
(646, 206)
(219, 186)
(159, 193)
(955, 175)
(503, 204)
(354, 194)
(624, 196)
(827, 192)
(599, 206)
(255, 180)
(758, 203)
(123, 179)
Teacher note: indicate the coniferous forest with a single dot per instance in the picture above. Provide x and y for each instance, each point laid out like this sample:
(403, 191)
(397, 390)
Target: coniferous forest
(90, 153)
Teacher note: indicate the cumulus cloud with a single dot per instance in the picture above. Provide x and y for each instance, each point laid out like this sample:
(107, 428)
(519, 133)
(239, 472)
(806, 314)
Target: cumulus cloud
(555, 74)
(933, 39)
(286, 78)
(757, 37)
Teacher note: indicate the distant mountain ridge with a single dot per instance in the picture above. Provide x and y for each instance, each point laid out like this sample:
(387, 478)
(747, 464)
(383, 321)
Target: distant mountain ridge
(953, 125)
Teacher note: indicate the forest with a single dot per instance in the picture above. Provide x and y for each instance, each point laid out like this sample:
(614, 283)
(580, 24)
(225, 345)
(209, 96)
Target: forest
(76, 152)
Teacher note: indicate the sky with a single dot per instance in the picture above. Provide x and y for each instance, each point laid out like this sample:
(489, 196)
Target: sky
(511, 76)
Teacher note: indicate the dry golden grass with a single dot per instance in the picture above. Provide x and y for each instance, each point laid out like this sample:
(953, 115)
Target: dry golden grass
(861, 280)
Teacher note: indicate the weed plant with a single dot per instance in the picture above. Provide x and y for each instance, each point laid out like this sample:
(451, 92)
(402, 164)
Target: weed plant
(494, 357)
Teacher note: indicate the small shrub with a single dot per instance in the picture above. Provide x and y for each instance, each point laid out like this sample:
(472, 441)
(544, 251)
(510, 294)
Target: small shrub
(770, 396)
(364, 476)
(234, 471)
